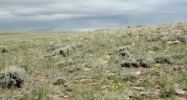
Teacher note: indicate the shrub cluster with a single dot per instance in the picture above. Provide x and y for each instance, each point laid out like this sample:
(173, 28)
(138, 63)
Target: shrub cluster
(63, 51)
(144, 63)
(152, 39)
(178, 56)
(137, 63)
(178, 38)
(153, 48)
(162, 60)
(124, 51)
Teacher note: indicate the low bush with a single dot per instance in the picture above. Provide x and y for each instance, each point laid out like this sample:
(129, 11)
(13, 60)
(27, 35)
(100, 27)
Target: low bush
(130, 63)
(3, 50)
(54, 48)
(137, 63)
(12, 77)
(162, 60)
(153, 39)
(153, 48)
(145, 63)
(127, 77)
(60, 81)
(63, 51)
(181, 39)
(178, 56)
(124, 48)
(125, 54)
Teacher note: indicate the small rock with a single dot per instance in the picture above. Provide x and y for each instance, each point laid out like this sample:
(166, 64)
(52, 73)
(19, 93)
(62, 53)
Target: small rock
(145, 93)
(178, 68)
(151, 52)
(157, 65)
(108, 57)
(176, 42)
(76, 81)
(137, 73)
(90, 55)
(66, 97)
(104, 62)
(87, 69)
(45, 80)
(139, 88)
(180, 98)
(104, 87)
(105, 92)
(35, 79)
(180, 92)
(169, 42)
(127, 97)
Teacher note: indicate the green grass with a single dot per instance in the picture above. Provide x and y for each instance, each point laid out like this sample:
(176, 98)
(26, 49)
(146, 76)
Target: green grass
(90, 63)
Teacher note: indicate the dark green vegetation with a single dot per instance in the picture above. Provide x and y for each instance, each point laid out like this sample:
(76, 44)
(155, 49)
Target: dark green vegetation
(134, 63)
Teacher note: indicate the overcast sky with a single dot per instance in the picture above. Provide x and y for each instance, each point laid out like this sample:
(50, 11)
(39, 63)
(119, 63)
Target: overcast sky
(75, 15)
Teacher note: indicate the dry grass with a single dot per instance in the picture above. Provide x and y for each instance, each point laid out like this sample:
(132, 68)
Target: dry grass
(90, 63)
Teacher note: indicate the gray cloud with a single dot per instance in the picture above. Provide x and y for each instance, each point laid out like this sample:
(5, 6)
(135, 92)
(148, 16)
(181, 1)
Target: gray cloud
(61, 15)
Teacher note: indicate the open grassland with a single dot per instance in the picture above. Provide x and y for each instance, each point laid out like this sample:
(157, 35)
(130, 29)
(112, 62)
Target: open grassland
(133, 63)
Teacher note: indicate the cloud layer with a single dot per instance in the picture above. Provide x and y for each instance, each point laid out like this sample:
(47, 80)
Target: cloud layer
(67, 15)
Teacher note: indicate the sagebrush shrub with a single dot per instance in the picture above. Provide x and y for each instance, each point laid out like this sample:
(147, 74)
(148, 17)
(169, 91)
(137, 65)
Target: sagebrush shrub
(153, 39)
(127, 77)
(178, 38)
(124, 48)
(162, 60)
(145, 63)
(60, 81)
(125, 54)
(3, 50)
(65, 51)
(12, 76)
(130, 63)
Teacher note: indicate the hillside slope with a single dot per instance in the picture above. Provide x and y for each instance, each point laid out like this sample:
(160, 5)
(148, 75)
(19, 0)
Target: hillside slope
(131, 63)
